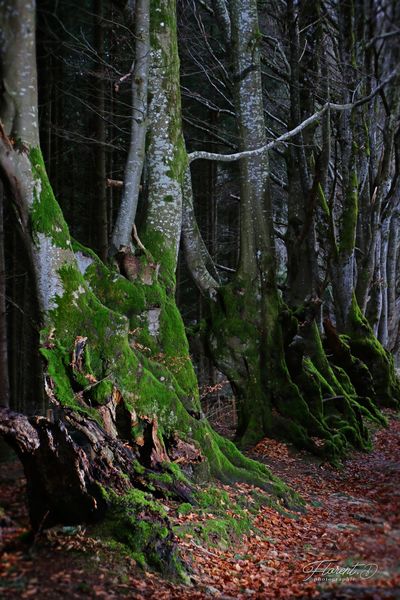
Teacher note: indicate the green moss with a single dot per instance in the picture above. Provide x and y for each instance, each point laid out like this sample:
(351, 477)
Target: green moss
(162, 19)
(323, 201)
(224, 531)
(367, 147)
(170, 346)
(213, 498)
(185, 508)
(102, 391)
(156, 244)
(226, 521)
(176, 472)
(365, 346)
(220, 520)
(141, 525)
(46, 215)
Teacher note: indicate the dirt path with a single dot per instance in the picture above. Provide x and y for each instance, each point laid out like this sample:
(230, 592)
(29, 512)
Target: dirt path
(349, 537)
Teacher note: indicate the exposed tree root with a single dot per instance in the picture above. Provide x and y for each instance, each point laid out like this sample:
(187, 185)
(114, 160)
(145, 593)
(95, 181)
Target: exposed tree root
(285, 382)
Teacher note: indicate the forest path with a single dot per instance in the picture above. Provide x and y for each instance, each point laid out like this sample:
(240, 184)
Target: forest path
(352, 518)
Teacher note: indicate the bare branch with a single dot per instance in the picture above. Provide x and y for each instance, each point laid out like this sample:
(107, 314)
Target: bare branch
(293, 132)
(114, 183)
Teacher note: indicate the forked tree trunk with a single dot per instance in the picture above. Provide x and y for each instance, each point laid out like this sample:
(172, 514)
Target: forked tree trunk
(118, 370)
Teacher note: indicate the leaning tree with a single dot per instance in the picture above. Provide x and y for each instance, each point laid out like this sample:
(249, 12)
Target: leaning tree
(126, 416)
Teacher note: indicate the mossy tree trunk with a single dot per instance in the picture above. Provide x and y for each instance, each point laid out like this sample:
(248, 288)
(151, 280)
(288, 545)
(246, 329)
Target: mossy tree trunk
(274, 358)
(117, 370)
(361, 335)
(254, 339)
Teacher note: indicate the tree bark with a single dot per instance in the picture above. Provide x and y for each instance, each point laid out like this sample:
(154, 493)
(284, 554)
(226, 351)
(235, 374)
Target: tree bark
(19, 100)
(392, 272)
(167, 157)
(134, 165)
(117, 364)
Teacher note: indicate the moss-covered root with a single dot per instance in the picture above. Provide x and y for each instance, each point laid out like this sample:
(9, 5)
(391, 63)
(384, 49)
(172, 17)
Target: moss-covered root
(282, 379)
(330, 394)
(142, 527)
(227, 464)
(368, 365)
(366, 347)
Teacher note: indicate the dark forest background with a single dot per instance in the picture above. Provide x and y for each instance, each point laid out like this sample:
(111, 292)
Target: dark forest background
(85, 54)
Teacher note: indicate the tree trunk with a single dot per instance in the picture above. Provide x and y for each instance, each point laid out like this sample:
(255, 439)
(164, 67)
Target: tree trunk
(302, 279)
(134, 165)
(117, 365)
(274, 359)
(383, 328)
(392, 271)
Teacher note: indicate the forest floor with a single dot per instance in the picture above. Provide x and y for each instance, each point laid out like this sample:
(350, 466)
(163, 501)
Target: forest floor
(345, 545)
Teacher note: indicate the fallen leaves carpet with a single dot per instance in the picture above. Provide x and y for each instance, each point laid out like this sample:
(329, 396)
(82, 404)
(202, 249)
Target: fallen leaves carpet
(345, 545)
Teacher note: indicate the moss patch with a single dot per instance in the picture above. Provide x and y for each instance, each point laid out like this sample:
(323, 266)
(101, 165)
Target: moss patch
(141, 525)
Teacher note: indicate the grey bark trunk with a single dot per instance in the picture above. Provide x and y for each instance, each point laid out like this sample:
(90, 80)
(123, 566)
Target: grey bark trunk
(134, 165)
(256, 239)
(198, 259)
(166, 152)
(18, 108)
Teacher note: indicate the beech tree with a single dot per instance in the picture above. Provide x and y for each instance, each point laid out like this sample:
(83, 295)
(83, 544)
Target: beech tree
(272, 353)
(116, 365)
